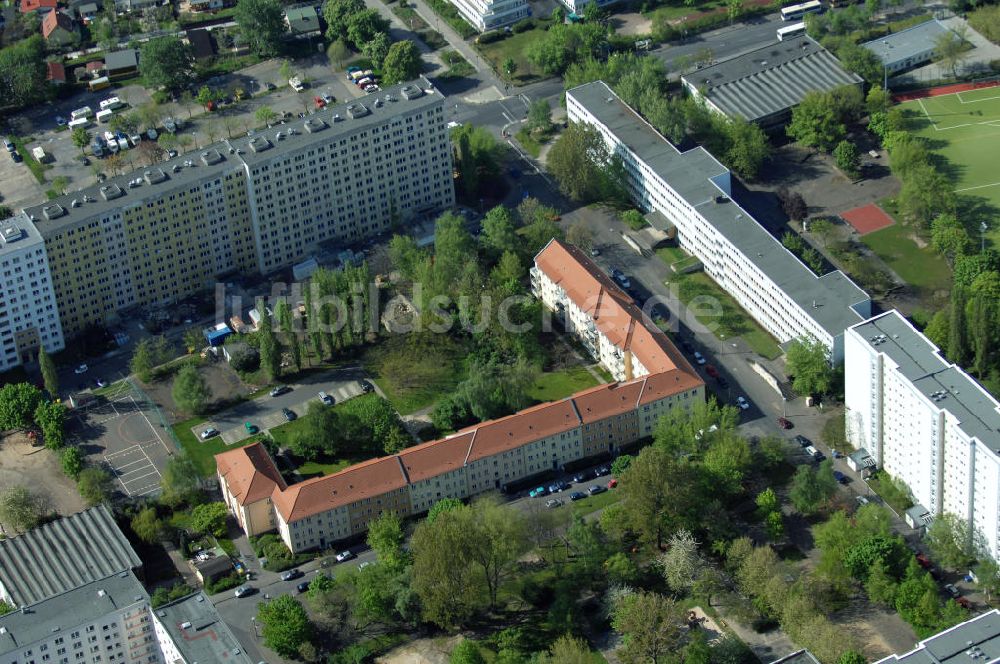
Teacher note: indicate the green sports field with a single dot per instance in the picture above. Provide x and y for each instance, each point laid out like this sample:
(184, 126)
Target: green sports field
(964, 129)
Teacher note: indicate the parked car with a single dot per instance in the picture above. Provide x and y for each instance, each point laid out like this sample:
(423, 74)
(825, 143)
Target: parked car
(344, 556)
(803, 441)
(553, 502)
(951, 589)
(289, 414)
(326, 398)
(279, 390)
(840, 477)
(742, 402)
(210, 432)
(244, 591)
(251, 428)
(699, 358)
(596, 489)
(538, 491)
(291, 574)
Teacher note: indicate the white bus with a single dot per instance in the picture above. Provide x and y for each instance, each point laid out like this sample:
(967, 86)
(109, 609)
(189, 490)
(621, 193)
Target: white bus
(793, 30)
(795, 12)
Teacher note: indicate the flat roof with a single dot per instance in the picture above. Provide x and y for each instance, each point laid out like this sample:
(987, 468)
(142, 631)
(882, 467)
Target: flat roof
(17, 233)
(907, 43)
(198, 631)
(64, 554)
(217, 159)
(694, 175)
(770, 79)
(973, 641)
(61, 612)
(946, 385)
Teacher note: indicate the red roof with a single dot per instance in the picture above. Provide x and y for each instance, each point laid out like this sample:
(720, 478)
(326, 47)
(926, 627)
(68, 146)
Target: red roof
(56, 19)
(28, 6)
(55, 71)
(250, 473)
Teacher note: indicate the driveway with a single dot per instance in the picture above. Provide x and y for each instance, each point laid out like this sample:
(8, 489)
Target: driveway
(265, 412)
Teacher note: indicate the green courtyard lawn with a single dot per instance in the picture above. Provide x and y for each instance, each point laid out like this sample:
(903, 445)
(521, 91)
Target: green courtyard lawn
(555, 385)
(516, 46)
(734, 321)
(920, 266)
(415, 371)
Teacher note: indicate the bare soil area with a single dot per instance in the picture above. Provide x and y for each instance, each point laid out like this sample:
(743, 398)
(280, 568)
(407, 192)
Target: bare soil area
(38, 470)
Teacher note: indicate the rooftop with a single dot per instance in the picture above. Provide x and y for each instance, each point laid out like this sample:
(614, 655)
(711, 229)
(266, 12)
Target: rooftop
(69, 609)
(952, 390)
(63, 554)
(212, 161)
(907, 43)
(696, 176)
(976, 640)
(198, 632)
(770, 79)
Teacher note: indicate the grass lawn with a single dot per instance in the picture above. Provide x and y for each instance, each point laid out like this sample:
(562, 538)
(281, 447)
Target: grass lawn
(921, 267)
(415, 372)
(516, 46)
(560, 384)
(963, 131)
(734, 321)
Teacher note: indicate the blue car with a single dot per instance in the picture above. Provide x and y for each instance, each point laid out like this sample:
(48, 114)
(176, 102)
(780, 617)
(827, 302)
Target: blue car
(538, 491)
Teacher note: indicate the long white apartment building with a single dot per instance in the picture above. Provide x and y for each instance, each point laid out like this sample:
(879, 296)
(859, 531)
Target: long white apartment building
(486, 15)
(29, 318)
(256, 204)
(925, 421)
(693, 191)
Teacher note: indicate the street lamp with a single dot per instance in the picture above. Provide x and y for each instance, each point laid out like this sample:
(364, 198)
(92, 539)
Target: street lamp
(982, 237)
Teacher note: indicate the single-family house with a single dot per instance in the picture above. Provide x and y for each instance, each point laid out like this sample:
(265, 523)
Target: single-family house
(59, 29)
(119, 64)
(55, 73)
(302, 20)
(38, 6)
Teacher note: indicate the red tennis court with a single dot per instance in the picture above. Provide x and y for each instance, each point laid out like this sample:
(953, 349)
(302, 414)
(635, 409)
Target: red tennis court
(867, 218)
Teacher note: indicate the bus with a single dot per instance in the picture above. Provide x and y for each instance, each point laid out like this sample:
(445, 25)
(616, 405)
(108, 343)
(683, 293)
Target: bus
(795, 12)
(793, 30)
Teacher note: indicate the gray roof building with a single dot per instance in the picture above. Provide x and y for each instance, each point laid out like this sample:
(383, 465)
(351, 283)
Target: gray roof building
(972, 641)
(196, 633)
(763, 85)
(908, 48)
(62, 555)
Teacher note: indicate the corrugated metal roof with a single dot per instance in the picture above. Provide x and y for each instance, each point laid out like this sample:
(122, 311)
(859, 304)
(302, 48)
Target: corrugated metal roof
(770, 80)
(63, 555)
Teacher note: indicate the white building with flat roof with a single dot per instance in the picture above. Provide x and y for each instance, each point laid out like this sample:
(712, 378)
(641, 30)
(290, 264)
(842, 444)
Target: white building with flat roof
(692, 190)
(486, 15)
(925, 421)
(29, 318)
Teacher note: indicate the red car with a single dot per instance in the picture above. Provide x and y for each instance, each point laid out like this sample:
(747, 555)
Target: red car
(612, 484)
(784, 424)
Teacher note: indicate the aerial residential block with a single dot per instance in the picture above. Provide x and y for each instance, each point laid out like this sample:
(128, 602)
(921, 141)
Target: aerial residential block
(693, 192)
(29, 318)
(924, 421)
(255, 204)
(491, 455)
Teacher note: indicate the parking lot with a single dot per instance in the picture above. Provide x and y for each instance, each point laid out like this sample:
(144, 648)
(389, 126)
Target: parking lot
(117, 432)
(266, 412)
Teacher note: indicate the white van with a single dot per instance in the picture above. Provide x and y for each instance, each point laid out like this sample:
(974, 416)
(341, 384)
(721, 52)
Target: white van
(84, 112)
(79, 122)
(104, 116)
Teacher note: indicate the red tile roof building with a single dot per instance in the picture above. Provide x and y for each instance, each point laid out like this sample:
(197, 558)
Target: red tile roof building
(655, 378)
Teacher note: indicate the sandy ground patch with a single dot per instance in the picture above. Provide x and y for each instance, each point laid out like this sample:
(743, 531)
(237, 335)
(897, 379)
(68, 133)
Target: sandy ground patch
(37, 469)
(421, 651)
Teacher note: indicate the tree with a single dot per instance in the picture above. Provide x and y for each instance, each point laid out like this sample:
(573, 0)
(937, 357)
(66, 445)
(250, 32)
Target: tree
(951, 541)
(811, 488)
(376, 48)
(949, 49)
(386, 538)
(578, 159)
(18, 402)
(815, 122)
(949, 237)
(80, 138)
(190, 391)
(847, 158)
(147, 525)
(72, 461)
(466, 652)
(363, 26)
(338, 51)
(166, 62)
(95, 485)
(262, 24)
(338, 14)
(402, 63)
(580, 235)
(270, 350)
(652, 627)
(210, 519)
(284, 624)
(179, 482)
(509, 67)
(808, 361)
(265, 115)
(20, 508)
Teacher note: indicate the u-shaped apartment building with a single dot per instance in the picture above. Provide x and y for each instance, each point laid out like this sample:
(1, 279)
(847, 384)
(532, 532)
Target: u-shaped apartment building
(653, 379)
